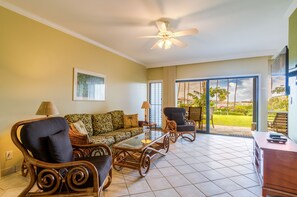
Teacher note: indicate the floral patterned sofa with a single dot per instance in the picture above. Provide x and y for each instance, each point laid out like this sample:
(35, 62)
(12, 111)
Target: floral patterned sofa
(105, 128)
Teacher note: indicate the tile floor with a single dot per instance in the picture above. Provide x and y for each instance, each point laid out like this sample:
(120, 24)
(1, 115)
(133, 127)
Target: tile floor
(213, 165)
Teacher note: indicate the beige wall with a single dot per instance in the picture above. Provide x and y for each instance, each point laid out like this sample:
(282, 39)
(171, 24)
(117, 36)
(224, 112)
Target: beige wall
(36, 64)
(239, 67)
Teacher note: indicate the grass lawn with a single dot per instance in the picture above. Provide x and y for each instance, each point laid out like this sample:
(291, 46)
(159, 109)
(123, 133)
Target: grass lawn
(232, 120)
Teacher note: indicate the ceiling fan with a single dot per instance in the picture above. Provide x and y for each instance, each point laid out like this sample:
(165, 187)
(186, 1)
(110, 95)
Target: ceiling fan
(167, 38)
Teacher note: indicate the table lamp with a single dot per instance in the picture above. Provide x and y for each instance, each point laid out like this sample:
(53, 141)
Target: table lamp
(145, 106)
(47, 108)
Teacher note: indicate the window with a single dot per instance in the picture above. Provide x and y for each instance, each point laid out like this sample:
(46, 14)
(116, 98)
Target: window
(155, 99)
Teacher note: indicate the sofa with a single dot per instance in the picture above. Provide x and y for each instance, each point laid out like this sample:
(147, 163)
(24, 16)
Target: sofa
(108, 128)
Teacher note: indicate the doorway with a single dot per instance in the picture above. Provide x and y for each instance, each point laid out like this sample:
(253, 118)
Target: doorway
(155, 100)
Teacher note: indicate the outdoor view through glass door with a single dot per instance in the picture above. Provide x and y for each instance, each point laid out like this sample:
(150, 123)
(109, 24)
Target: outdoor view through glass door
(228, 103)
(192, 97)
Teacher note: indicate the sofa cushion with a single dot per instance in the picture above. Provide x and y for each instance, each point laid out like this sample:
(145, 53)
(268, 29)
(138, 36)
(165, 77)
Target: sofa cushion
(102, 139)
(118, 135)
(134, 131)
(60, 148)
(117, 119)
(130, 121)
(85, 118)
(102, 123)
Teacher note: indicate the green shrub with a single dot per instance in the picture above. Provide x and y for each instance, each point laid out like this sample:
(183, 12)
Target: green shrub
(236, 113)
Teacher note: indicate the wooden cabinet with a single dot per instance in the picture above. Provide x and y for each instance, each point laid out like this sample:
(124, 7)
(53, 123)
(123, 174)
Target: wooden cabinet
(276, 165)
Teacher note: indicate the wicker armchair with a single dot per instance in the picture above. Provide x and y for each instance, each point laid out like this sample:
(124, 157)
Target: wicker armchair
(56, 167)
(178, 126)
(195, 113)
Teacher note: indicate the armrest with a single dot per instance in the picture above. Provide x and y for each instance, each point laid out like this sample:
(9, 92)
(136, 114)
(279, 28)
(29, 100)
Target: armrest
(141, 122)
(52, 176)
(170, 125)
(90, 150)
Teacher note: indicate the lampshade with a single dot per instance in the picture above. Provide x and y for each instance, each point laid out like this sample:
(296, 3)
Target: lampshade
(47, 108)
(145, 105)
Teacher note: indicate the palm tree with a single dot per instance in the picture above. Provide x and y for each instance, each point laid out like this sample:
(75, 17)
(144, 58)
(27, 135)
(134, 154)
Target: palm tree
(235, 92)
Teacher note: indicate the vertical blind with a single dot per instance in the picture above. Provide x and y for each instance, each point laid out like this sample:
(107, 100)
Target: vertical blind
(155, 99)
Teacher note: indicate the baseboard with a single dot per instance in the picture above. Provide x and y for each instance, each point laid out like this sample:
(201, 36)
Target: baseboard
(11, 170)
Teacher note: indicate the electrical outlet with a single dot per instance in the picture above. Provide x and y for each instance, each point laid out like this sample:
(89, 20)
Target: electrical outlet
(8, 155)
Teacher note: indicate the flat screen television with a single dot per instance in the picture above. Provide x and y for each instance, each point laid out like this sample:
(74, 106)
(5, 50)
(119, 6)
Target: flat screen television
(279, 74)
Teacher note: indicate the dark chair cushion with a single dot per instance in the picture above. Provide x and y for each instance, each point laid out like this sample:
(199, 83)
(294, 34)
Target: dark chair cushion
(175, 113)
(60, 148)
(34, 136)
(178, 118)
(102, 164)
(181, 128)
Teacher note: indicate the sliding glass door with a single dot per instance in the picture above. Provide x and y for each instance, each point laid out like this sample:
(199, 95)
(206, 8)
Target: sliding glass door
(233, 105)
(229, 105)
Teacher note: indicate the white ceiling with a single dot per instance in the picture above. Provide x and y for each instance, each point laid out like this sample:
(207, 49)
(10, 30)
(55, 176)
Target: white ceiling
(228, 29)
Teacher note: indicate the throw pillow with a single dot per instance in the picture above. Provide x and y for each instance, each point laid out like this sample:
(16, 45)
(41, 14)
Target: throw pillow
(79, 126)
(102, 123)
(77, 137)
(60, 147)
(130, 121)
(117, 119)
(178, 118)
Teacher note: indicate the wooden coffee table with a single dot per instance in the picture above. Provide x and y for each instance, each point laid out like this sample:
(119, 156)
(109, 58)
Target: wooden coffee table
(138, 151)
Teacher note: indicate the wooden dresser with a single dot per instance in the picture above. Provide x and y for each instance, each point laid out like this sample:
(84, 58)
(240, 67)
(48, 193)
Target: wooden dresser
(276, 165)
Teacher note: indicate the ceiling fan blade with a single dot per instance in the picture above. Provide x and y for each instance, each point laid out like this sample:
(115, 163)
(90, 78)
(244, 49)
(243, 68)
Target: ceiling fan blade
(161, 26)
(178, 42)
(156, 36)
(158, 44)
(186, 32)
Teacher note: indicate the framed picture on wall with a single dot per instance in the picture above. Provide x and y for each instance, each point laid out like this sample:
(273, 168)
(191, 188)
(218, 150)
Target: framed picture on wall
(88, 86)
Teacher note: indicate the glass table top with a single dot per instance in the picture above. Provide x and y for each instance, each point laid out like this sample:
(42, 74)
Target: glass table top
(140, 141)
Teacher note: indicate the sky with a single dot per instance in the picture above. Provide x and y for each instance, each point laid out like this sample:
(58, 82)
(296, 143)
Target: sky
(244, 88)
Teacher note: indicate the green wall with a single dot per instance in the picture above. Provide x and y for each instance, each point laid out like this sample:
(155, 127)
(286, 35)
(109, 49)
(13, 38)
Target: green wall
(292, 80)
(293, 39)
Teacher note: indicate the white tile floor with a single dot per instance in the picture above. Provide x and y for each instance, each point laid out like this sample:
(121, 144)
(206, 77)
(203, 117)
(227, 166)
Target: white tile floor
(213, 165)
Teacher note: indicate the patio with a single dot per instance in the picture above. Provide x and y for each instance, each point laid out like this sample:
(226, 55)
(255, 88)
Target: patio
(231, 130)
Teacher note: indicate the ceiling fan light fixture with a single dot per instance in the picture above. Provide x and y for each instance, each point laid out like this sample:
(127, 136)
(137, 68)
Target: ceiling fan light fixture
(160, 43)
(167, 44)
